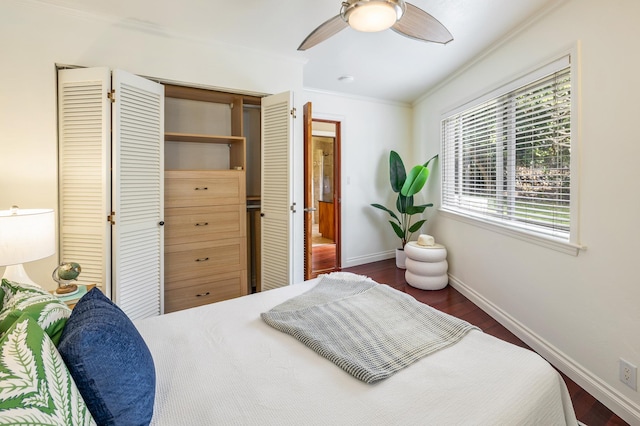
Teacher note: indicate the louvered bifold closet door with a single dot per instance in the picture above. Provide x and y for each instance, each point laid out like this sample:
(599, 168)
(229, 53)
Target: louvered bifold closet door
(137, 196)
(84, 116)
(276, 191)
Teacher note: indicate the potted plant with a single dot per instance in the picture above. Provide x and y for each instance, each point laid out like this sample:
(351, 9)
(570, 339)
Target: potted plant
(406, 186)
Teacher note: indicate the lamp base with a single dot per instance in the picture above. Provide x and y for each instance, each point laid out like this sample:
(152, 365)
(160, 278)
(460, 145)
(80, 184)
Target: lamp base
(66, 290)
(17, 274)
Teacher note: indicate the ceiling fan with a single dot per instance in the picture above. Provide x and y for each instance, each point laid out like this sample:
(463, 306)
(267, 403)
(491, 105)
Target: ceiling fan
(377, 15)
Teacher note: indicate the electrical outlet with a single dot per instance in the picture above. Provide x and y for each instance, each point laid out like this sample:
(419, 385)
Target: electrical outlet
(628, 374)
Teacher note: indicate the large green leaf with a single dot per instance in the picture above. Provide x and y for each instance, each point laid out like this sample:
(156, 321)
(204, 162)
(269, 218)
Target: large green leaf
(418, 209)
(398, 229)
(415, 181)
(428, 161)
(397, 173)
(417, 225)
(415, 210)
(404, 203)
(391, 213)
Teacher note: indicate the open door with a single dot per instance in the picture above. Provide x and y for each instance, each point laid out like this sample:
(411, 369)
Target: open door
(277, 203)
(84, 172)
(111, 181)
(137, 195)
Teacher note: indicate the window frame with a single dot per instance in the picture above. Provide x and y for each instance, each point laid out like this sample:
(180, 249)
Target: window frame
(515, 229)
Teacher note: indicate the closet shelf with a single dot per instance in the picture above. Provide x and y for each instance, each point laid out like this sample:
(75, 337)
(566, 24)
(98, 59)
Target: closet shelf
(192, 137)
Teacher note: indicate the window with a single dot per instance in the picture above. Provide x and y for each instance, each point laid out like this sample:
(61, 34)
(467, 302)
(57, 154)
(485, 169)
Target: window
(506, 157)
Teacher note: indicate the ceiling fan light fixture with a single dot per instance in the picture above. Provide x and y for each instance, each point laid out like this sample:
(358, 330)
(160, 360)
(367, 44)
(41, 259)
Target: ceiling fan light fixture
(402, 17)
(372, 15)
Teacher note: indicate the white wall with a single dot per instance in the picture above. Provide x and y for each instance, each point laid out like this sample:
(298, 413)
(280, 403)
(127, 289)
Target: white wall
(370, 129)
(583, 312)
(35, 38)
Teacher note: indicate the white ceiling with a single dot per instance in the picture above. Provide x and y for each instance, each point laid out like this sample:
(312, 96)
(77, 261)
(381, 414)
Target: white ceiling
(384, 65)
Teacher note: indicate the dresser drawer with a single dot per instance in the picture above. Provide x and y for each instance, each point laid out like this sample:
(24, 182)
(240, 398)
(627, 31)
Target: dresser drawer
(192, 224)
(201, 291)
(201, 259)
(193, 188)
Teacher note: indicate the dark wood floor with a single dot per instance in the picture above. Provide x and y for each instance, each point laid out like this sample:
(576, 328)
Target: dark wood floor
(588, 410)
(323, 259)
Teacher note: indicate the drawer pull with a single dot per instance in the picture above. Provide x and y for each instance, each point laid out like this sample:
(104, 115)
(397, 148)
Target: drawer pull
(202, 224)
(203, 294)
(202, 259)
(203, 188)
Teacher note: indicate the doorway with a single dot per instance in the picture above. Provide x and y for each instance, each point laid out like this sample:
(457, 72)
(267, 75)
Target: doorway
(322, 196)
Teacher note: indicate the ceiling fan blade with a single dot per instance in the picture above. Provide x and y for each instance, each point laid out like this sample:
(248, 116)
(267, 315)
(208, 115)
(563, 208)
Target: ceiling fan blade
(419, 25)
(323, 32)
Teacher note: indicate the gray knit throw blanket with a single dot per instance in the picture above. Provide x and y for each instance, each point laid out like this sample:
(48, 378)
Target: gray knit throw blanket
(369, 330)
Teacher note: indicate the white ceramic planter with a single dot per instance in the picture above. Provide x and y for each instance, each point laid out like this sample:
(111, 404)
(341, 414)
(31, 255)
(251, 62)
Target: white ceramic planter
(401, 257)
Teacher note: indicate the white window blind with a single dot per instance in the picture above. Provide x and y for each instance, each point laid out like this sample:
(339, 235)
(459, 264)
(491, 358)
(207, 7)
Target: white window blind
(506, 158)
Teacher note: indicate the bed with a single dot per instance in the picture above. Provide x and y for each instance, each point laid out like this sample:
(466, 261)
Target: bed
(223, 364)
(338, 350)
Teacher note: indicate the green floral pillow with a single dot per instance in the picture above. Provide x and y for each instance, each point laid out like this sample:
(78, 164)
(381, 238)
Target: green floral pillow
(50, 313)
(35, 385)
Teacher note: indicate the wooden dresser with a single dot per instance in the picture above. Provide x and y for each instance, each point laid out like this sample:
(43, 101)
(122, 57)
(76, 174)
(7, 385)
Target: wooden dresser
(205, 237)
(205, 175)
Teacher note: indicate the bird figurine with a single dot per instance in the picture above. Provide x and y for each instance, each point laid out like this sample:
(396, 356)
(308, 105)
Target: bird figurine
(63, 275)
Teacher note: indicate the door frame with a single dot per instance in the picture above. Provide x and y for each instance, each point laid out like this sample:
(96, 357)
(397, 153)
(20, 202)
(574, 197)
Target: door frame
(308, 182)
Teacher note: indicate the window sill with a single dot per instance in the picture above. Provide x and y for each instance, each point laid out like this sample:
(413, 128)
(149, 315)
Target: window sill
(548, 242)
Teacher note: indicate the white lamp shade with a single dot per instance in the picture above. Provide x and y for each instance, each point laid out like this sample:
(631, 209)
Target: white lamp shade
(26, 235)
(373, 16)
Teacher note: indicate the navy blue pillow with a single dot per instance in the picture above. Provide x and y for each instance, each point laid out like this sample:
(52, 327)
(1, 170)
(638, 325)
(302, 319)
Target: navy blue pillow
(109, 361)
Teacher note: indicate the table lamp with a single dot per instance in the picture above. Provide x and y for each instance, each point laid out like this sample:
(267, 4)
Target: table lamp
(25, 235)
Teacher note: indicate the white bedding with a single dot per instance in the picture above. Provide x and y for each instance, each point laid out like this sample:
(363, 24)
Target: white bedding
(221, 364)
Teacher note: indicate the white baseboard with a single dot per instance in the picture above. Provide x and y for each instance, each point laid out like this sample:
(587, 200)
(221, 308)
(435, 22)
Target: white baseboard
(621, 405)
(370, 258)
